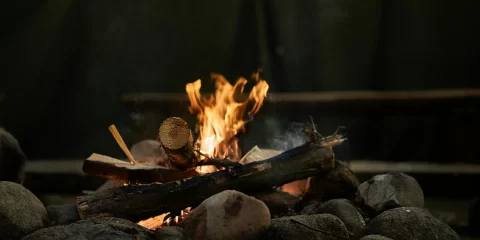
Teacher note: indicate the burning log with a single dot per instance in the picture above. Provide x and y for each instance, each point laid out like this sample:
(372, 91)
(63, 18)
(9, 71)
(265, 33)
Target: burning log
(136, 203)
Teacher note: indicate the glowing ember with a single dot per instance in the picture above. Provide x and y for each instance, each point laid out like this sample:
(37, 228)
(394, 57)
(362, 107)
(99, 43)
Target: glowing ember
(163, 220)
(154, 222)
(221, 117)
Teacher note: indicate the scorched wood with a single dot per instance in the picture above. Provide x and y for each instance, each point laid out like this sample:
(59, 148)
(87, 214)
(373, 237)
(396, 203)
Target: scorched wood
(144, 201)
(122, 171)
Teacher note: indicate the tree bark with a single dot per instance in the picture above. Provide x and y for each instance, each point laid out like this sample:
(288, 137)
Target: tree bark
(144, 201)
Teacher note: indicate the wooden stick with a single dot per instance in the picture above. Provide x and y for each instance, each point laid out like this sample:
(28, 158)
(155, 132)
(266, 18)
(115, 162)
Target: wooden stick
(313, 158)
(121, 143)
(137, 203)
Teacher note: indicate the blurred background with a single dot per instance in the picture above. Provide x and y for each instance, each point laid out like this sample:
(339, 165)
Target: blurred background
(400, 75)
(66, 64)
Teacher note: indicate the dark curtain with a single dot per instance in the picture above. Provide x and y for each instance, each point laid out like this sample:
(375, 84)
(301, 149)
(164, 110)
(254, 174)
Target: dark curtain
(65, 63)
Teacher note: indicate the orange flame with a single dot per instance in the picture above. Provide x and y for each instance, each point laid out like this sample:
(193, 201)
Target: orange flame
(221, 116)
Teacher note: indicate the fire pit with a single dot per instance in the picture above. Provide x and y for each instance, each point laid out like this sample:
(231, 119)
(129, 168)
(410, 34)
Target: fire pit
(202, 187)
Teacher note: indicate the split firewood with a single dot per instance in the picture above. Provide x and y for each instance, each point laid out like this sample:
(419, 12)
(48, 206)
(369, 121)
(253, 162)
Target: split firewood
(314, 158)
(135, 172)
(122, 171)
(177, 141)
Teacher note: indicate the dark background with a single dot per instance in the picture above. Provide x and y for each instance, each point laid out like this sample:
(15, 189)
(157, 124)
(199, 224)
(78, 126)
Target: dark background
(65, 64)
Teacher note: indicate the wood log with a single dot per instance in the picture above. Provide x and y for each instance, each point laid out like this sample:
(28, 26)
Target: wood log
(177, 141)
(144, 201)
(122, 171)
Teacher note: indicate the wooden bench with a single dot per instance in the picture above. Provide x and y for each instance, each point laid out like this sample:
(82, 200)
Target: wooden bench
(437, 180)
(380, 124)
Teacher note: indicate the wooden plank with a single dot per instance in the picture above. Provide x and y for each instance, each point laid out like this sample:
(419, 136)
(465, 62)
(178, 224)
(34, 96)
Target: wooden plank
(335, 96)
(123, 171)
(74, 166)
(50, 166)
(66, 176)
(368, 166)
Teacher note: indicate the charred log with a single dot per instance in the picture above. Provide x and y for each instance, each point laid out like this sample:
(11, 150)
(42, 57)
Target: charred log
(144, 201)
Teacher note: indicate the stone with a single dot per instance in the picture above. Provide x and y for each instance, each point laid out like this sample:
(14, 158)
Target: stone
(341, 182)
(307, 227)
(474, 214)
(149, 152)
(278, 202)
(346, 211)
(375, 237)
(21, 212)
(62, 214)
(409, 223)
(171, 233)
(101, 228)
(228, 215)
(390, 190)
(12, 158)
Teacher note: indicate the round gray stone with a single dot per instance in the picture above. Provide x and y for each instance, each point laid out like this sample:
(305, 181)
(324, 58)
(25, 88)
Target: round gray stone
(21, 212)
(390, 190)
(12, 158)
(62, 214)
(406, 223)
(375, 237)
(101, 228)
(347, 212)
(307, 227)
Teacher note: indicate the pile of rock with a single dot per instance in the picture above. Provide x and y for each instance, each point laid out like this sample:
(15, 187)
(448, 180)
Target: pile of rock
(388, 206)
(336, 206)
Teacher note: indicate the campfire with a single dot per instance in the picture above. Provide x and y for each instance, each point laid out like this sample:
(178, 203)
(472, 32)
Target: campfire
(221, 118)
(200, 175)
(214, 153)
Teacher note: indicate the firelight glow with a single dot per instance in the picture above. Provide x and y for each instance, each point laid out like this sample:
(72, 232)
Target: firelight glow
(221, 117)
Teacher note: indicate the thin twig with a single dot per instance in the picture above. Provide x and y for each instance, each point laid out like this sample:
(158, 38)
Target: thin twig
(216, 162)
(313, 125)
(121, 143)
(318, 230)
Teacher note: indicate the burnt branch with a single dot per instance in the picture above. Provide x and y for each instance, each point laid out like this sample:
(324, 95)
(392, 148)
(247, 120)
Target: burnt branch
(329, 141)
(218, 163)
(144, 201)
